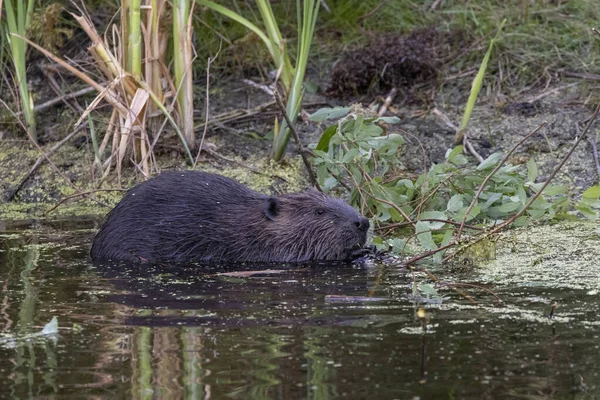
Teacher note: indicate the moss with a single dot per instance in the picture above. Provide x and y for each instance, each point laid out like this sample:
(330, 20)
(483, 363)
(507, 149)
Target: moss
(546, 255)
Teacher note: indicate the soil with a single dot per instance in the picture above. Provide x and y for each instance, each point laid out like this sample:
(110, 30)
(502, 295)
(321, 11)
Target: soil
(391, 61)
(241, 147)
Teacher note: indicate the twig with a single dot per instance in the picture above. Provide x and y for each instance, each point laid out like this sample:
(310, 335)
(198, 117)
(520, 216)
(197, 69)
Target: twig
(265, 88)
(387, 102)
(394, 206)
(582, 75)
(82, 194)
(430, 253)
(56, 87)
(435, 4)
(297, 138)
(72, 95)
(373, 11)
(210, 61)
(438, 113)
(470, 148)
(491, 174)
(451, 285)
(235, 115)
(436, 280)
(551, 91)
(431, 194)
(446, 221)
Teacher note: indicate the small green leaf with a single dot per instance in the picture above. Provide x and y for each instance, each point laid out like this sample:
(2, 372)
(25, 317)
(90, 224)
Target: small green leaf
(592, 192)
(424, 236)
(330, 183)
(532, 170)
(521, 221)
(521, 195)
(492, 197)
(489, 162)
(587, 211)
(329, 113)
(509, 207)
(367, 131)
(433, 225)
(311, 87)
(323, 144)
(399, 246)
(358, 126)
(475, 211)
(555, 190)
(456, 156)
(455, 203)
(350, 156)
(536, 213)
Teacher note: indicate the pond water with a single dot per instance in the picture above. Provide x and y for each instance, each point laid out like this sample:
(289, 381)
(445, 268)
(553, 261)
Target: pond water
(321, 332)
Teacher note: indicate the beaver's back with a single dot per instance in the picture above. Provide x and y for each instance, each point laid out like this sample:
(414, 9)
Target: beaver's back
(156, 219)
(197, 216)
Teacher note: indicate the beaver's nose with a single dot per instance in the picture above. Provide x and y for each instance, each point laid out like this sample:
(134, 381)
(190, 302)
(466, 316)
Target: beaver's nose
(362, 224)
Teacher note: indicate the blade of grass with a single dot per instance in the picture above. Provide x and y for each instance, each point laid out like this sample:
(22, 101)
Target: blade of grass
(307, 19)
(274, 47)
(475, 88)
(283, 62)
(17, 26)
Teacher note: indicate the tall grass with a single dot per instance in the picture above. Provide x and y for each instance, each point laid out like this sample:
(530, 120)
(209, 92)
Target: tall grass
(135, 74)
(182, 63)
(291, 77)
(475, 88)
(272, 38)
(307, 19)
(18, 20)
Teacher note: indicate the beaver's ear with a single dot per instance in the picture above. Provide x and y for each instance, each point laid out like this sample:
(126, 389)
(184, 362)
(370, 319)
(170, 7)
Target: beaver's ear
(272, 208)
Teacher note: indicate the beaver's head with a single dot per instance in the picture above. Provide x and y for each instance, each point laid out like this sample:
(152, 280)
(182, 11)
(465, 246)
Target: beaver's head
(313, 226)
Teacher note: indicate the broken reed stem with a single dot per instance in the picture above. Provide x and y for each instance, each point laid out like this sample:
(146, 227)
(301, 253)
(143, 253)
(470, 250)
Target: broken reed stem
(297, 138)
(491, 174)
(82, 194)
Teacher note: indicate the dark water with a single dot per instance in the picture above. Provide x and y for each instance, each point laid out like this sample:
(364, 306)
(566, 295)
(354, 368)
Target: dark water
(318, 333)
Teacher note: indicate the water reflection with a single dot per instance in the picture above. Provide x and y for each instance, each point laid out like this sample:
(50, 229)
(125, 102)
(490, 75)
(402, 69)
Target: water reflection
(315, 332)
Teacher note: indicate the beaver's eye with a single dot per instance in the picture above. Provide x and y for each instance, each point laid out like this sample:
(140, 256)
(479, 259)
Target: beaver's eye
(320, 211)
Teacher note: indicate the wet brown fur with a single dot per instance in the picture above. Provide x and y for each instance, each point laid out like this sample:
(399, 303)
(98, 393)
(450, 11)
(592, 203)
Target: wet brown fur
(197, 216)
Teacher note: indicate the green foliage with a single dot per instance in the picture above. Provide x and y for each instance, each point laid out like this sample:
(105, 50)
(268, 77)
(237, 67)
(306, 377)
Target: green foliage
(589, 205)
(292, 77)
(359, 154)
(18, 19)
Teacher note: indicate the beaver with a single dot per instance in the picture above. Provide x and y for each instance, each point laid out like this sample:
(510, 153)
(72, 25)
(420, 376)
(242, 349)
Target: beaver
(188, 216)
